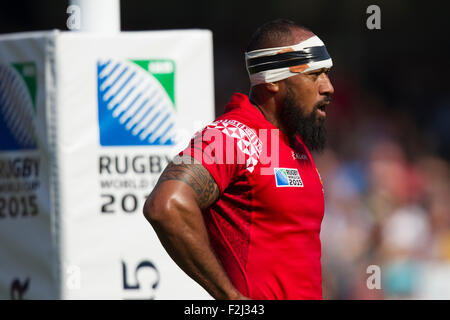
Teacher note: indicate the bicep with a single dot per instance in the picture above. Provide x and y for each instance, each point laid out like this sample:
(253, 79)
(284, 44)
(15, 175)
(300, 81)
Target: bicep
(188, 177)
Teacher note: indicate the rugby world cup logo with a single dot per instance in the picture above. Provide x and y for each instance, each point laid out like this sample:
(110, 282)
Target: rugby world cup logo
(136, 102)
(17, 106)
(287, 177)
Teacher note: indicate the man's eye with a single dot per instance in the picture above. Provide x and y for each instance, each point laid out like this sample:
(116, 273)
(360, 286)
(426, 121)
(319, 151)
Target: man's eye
(316, 74)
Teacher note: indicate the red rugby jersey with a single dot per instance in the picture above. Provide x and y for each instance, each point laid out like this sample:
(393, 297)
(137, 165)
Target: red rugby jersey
(265, 225)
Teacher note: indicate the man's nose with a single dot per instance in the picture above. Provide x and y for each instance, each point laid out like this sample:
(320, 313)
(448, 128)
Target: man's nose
(325, 86)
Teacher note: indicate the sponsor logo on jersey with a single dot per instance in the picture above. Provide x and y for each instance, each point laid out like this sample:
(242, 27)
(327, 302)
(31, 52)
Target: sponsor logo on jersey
(136, 102)
(299, 156)
(287, 177)
(17, 106)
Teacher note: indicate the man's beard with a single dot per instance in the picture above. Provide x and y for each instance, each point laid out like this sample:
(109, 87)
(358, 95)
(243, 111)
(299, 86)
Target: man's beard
(311, 127)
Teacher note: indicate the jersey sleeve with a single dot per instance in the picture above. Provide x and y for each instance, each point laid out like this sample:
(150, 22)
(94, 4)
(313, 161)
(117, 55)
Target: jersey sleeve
(226, 148)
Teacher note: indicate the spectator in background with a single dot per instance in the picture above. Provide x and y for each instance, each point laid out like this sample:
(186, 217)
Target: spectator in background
(386, 205)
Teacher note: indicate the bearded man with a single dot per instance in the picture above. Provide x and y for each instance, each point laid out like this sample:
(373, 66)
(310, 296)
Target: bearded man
(240, 209)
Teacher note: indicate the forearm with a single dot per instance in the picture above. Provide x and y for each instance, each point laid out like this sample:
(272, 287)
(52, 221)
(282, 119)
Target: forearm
(180, 227)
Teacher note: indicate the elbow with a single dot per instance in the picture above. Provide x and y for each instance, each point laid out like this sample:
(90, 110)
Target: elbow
(160, 209)
(152, 211)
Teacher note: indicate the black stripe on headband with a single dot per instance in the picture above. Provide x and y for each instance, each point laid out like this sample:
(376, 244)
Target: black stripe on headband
(287, 59)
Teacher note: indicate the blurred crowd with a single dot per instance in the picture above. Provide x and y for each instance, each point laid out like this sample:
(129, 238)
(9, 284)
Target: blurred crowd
(386, 186)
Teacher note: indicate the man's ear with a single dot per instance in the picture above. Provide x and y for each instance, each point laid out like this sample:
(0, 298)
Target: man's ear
(273, 87)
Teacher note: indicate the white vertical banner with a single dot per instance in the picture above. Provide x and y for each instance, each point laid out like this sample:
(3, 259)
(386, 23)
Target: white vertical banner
(28, 245)
(119, 107)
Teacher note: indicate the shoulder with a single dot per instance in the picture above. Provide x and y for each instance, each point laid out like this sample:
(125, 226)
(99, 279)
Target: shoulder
(235, 128)
(241, 135)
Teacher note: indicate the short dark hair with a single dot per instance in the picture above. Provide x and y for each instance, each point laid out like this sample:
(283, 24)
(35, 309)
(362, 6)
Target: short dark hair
(273, 33)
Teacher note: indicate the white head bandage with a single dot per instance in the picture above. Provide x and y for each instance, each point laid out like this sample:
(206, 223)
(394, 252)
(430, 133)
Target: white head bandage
(274, 64)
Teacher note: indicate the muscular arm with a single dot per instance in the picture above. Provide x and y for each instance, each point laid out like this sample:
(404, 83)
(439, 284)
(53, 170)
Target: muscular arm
(174, 210)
